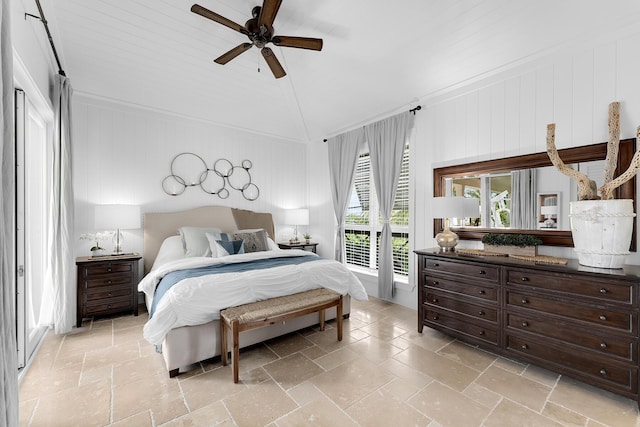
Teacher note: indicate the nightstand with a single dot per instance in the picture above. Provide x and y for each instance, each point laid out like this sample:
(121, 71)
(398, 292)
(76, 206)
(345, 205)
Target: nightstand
(107, 285)
(311, 246)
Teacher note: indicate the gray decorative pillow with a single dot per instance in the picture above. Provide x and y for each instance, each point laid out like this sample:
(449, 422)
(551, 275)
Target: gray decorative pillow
(254, 240)
(195, 240)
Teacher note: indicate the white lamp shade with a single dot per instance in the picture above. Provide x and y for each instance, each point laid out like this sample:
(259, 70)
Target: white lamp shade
(548, 210)
(296, 217)
(112, 217)
(455, 207)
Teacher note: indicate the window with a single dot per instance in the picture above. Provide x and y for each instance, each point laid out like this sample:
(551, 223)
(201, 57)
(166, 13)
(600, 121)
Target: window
(363, 223)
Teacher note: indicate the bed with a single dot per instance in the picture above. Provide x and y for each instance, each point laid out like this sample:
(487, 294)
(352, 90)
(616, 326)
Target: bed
(184, 323)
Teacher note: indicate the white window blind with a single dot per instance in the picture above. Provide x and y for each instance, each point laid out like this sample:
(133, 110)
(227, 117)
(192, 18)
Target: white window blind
(363, 219)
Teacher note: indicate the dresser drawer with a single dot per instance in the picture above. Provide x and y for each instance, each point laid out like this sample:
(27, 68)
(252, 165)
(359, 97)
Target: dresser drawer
(460, 305)
(467, 269)
(606, 344)
(107, 268)
(582, 363)
(477, 290)
(596, 315)
(460, 324)
(610, 290)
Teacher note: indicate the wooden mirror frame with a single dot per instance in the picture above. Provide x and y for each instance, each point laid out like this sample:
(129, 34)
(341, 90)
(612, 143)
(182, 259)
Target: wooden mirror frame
(581, 154)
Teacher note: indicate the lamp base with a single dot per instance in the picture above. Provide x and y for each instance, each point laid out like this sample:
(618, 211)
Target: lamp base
(447, 240)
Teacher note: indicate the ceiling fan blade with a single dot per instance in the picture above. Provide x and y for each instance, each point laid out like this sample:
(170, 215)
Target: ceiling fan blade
(299, 42)
(226, 57)
(273, 63)
(268, 12)
(196, 8)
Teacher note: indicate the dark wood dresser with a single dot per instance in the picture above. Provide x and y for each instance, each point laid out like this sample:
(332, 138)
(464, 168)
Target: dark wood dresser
(578, 321)
(107, 285)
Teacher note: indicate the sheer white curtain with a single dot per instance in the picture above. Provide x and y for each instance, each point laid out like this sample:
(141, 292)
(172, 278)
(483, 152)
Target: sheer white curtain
(8, 352)
(60, 266)
(386, 140)
(343, 155)
(523, 199)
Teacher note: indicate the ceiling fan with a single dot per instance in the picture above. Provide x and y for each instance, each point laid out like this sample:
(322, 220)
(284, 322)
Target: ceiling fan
(259, 29)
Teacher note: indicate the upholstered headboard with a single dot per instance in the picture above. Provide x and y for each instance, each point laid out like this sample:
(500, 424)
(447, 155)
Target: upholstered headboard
(160, 225)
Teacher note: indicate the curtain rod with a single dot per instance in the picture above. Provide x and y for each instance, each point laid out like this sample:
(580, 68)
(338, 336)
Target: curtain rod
(413, 110)
(42, 19)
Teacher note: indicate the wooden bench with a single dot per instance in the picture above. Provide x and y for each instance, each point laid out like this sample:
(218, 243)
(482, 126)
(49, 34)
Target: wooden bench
(267, 312)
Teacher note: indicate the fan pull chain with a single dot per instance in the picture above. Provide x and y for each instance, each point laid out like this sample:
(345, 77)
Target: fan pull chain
(258, 61)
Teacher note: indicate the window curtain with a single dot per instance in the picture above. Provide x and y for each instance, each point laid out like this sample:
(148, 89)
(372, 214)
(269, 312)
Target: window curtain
(60, 266)
(387, 139)
(8, 350)
(523, 199)
(343, 155)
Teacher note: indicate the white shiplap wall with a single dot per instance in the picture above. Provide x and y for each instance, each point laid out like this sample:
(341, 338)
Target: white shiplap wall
(121, 154)
(506, 115)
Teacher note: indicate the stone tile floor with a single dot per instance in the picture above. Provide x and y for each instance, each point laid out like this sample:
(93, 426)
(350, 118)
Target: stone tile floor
(383, 373)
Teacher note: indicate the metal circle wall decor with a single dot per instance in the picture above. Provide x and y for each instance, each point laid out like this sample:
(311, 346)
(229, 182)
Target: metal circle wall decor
(191, 170)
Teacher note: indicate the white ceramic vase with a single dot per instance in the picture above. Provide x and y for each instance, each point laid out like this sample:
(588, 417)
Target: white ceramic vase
(602, 231)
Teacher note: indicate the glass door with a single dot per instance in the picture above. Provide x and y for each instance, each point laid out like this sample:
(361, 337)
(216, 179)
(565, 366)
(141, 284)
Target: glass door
(33, 303)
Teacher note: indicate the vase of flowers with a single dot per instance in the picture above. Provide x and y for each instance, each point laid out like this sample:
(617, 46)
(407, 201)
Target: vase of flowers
(96, 249)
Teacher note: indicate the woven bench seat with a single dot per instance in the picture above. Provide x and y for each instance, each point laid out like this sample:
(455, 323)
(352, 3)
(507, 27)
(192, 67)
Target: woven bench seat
(270, 311)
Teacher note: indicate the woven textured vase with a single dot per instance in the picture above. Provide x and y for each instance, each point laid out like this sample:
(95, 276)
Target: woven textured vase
(602, 231)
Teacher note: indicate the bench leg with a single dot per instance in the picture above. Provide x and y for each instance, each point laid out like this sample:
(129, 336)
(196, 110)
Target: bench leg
(224, 346)
(321, 312)
(339, 318)
(236, 350)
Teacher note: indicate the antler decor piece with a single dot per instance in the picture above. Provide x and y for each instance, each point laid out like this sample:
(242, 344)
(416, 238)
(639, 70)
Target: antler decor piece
(587, 188)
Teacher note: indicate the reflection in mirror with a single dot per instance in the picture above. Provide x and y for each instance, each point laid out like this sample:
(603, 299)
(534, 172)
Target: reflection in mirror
(526, 193)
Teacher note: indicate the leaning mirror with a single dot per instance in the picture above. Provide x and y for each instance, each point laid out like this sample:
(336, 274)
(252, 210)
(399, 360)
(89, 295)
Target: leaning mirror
(508, 206)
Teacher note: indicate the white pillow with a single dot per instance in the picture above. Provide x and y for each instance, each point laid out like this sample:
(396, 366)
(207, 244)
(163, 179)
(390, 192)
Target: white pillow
(195, 240)
(273, 246)
(170, 250)
(213, 245)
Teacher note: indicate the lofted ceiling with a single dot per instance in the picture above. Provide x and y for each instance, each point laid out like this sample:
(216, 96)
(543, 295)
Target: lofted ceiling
(379, 57)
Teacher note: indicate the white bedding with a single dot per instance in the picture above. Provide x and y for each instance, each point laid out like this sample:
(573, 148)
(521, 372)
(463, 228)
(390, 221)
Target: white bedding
(199, 300)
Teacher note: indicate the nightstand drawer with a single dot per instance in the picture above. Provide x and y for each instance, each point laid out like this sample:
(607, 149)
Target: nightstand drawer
(109, 280)
(108, 306)
(109, 292)
(107, 268)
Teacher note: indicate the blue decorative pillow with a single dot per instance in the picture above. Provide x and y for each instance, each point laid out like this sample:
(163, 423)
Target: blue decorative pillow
(231, 247)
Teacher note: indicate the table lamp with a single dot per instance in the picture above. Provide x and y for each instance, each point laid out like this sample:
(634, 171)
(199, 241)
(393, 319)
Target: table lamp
(452, 207)
(549, 212)
(117, 217)
(296, 217)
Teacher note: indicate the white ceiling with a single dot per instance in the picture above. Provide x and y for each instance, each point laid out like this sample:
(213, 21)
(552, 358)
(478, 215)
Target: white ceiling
(379, 57)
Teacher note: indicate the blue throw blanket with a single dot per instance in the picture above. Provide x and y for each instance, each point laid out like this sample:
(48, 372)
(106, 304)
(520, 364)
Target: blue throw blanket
(170, 279)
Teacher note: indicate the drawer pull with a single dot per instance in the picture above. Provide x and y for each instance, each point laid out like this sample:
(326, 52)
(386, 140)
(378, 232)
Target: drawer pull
(109, 282)
(435, 300)
(109, 269)
(483, 272)
(435, 317)
(524, 279)
(524, 301)
(436, 264)
(603, 345)
(603, 372)
(603, 291)
(525, 324)
(481, 332)
(603, 317)
(108, 305)
(435, 283)
(482, 292)
(481, 313)
(524, 347)
(109, 294)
